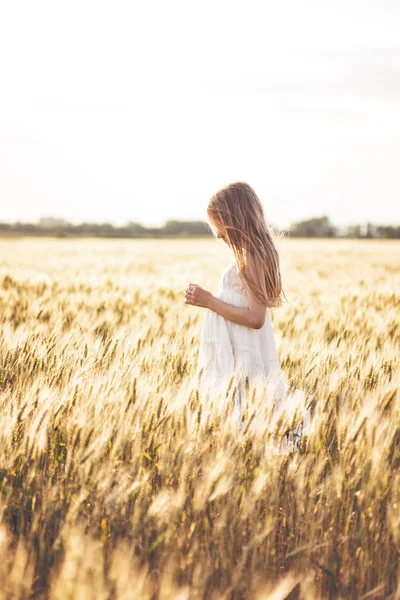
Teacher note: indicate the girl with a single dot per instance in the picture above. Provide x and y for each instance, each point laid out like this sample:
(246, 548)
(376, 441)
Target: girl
(237, 339)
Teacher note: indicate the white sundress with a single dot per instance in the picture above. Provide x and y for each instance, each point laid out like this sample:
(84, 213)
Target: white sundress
(228, 349)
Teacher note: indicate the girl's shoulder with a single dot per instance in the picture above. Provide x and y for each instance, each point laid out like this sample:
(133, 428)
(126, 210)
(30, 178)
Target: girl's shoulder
(231, 268)
(232, 280)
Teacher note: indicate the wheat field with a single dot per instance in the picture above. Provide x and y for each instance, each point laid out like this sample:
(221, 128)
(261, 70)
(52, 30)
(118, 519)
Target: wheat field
(118, 482)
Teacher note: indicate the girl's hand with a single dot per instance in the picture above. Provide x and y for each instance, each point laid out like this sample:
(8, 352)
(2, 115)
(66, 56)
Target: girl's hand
(197, 296)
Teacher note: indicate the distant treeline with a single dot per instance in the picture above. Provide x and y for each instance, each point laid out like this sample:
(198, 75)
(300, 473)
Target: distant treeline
(316, 227)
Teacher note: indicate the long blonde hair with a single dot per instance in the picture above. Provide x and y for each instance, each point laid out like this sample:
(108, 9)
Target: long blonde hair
(237, 212)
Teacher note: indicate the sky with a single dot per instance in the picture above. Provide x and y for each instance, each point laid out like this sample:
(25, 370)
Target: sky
(140, 111)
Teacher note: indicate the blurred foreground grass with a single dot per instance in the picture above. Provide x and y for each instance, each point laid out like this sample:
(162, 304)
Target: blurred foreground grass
(116, 482)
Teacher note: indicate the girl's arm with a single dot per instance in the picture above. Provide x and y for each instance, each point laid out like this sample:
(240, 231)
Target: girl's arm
(252, 315)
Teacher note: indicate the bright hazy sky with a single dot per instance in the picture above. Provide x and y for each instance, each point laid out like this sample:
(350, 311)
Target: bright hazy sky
(140, 111)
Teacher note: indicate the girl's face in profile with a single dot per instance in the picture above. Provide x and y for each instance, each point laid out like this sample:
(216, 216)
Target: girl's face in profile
(219, 233)
(221, 236)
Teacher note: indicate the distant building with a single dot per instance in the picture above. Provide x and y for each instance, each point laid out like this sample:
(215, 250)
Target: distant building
(50, 222)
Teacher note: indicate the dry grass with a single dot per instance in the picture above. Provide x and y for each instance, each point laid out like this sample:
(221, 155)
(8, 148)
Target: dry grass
(118, 483)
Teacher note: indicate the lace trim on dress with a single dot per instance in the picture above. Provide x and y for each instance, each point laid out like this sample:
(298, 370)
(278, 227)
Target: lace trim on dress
(235, 282)
(220, 363)
(216, 353)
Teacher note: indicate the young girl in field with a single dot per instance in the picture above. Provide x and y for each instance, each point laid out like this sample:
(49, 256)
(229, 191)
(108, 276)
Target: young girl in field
(237, 339)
